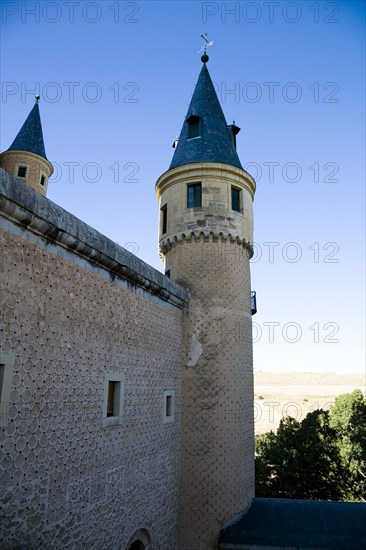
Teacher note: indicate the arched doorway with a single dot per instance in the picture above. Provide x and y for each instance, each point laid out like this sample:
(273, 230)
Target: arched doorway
(140, 540)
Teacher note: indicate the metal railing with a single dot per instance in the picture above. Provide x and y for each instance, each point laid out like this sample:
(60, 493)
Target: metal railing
(253, 302)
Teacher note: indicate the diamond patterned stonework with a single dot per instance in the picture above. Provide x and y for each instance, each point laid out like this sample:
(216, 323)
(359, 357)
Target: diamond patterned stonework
(66, 481)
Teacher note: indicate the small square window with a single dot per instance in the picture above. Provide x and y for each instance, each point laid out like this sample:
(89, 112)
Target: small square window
(169, 406)
(235, 199)
(22, 171)
(164, 219)
(194, 196)
(42, 181)
(113, 399)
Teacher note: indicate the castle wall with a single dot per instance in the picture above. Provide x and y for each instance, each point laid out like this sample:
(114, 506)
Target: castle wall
(75, 307)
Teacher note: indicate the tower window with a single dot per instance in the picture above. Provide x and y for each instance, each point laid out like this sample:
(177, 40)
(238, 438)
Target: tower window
(235, 199)
(169, 406)
(194, 126)
(113, 399)
(22, 171)
(194, 196)
(42, 181)
(164, 219)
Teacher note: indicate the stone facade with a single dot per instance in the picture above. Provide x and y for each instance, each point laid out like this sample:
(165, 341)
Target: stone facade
(36, 168)
(67, 321)
(207, 249)
(127, 395)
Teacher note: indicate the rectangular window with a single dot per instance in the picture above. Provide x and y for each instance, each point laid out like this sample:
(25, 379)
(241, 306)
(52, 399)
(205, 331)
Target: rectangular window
(2, 372)
(164, 219)
(194, 196)
(193, 127)
(113, 399)
(22, 171)
(235, 199)
(42, 180)
(167, 273)
(169, 406)
(6, 379)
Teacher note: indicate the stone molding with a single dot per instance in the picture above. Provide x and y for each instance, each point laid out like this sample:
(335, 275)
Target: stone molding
(188, 172)
(167, 244)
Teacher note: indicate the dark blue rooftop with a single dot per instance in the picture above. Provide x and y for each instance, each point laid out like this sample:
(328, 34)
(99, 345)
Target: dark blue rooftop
(299, 524)
(216, 142)
(30, 136)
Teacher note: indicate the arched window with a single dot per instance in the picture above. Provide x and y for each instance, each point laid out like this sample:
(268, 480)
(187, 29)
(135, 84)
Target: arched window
(194, 126)
(140, 540)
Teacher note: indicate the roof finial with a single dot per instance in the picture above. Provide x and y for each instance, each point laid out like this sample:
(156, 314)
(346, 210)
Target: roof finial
(206, 45)
(38, 98)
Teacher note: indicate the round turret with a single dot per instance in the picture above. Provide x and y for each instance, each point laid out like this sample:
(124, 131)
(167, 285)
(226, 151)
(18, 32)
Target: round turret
(26, 157)
(204, 199)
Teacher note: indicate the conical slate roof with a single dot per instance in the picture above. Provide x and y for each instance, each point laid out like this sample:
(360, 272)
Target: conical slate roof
(30, 136)
(215, 143)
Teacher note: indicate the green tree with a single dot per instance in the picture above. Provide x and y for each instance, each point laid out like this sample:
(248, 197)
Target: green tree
(302, 460)
(348, 418)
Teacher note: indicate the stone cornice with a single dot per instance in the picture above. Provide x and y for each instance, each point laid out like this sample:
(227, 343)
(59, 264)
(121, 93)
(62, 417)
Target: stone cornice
(37, 214)
(188, 172)
(200, 236)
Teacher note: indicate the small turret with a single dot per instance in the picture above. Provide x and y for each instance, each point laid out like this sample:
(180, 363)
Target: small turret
(26, 157)
(205, 191)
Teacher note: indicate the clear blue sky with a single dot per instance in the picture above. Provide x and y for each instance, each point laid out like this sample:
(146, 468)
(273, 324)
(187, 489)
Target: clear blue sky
(115, 80)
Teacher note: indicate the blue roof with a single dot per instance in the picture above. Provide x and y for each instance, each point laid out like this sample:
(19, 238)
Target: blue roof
(215, 143)
(299, 524)
(30, 136)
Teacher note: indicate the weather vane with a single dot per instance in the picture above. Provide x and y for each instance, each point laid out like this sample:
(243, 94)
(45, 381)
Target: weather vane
(206, 45)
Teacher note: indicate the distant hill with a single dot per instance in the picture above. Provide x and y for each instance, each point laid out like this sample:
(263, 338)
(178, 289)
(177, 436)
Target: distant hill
(279, 394)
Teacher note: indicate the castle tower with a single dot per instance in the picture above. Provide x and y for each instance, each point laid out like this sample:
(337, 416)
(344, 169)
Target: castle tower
(26, 157)
(205, 237)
